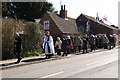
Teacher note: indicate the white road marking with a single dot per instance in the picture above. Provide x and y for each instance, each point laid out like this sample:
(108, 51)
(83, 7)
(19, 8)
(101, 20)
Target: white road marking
(53, 74)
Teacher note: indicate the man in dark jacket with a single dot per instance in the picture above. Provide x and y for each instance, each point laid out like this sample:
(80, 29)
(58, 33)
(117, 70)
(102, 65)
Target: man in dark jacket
(64, 46)
(17, 47)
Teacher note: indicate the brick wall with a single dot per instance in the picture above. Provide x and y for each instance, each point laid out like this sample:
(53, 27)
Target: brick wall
(53, 28)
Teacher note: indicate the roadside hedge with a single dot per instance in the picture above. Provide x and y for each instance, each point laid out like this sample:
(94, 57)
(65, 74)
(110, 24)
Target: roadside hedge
(32, 37)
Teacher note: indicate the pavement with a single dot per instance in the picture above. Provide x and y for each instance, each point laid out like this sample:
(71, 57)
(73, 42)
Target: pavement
(7, 64)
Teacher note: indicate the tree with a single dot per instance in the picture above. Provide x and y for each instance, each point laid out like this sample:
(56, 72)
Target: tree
(26, 10)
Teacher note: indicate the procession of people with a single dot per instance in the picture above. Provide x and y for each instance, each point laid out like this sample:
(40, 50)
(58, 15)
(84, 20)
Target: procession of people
(67, 44)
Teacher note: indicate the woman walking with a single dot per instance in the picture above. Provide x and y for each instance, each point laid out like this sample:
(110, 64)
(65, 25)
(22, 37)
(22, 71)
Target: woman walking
(58, 45)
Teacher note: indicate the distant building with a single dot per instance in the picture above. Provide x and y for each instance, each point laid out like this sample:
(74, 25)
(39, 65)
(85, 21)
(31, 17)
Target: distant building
(89, 25)
(59, 25)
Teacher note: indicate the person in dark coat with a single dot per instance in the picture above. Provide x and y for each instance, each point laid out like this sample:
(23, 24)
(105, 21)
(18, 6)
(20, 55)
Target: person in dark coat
(114, 44)
(92, 42)
(87, 39)
(17, 47)
(96, 42)
(70, 44)
(84, 47)
(64, 46)
(100, 42)
(111, 41)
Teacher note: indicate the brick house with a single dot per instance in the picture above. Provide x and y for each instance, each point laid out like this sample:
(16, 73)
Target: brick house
(95, 27)
(59, 24)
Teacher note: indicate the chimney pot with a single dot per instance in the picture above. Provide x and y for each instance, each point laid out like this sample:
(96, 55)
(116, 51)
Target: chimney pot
(64, 7)
(61, 7)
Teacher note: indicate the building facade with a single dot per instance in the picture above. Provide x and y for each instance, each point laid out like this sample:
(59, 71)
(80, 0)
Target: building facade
(90, 25)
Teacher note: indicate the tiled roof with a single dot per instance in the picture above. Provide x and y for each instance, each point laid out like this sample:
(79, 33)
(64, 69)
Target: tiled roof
(65, 25)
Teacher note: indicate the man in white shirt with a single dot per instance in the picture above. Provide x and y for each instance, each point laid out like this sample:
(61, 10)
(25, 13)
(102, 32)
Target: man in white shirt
(48, 45)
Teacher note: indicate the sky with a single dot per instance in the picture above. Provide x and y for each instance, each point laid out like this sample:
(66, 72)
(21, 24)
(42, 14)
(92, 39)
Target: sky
(108, 8)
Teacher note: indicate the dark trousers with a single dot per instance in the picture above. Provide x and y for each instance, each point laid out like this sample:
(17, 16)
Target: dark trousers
(65, 53)
(84, 50)
(18, 54)
(59, 52)
(105, 46)
(114, 44)
(92, 47)
(79, 48)
(49, 55)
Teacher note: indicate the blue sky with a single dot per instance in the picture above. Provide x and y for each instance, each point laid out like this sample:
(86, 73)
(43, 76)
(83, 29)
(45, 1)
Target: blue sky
(90, 8)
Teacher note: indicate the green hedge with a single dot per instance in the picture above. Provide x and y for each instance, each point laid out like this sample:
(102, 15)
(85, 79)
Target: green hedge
(31, 39)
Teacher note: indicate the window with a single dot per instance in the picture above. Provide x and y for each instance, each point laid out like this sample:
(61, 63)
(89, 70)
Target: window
(46, 25)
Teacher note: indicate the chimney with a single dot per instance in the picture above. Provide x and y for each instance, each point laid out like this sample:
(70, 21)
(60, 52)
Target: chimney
(63, 12)
(61, 7)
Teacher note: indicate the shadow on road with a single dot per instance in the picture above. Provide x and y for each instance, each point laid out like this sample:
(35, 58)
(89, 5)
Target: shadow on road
(28, 60)
(7, 64)
(31, 60)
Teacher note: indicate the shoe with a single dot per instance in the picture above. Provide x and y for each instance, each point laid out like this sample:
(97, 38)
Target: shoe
(18, 61)
(46, 57)
(20, 58)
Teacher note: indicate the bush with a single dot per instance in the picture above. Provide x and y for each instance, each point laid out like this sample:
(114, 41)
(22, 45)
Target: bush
(30, 54)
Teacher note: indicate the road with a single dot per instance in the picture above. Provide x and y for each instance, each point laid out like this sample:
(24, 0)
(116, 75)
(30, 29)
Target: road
(92, 65)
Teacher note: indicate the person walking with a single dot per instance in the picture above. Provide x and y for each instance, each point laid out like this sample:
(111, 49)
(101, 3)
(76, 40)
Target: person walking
(58, 45)
(48, 45)
(97, 42)
(17, 47)
(92, 42)
(64, 46)
(110, 41)
(78, 44)
(105, 42)
(84, 47)
(87, 44)
(70, 44)
(114, 37)
(100, 42)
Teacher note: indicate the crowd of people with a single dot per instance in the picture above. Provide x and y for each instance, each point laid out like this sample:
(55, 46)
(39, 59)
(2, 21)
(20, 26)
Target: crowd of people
(78, 44)
(66, 45)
